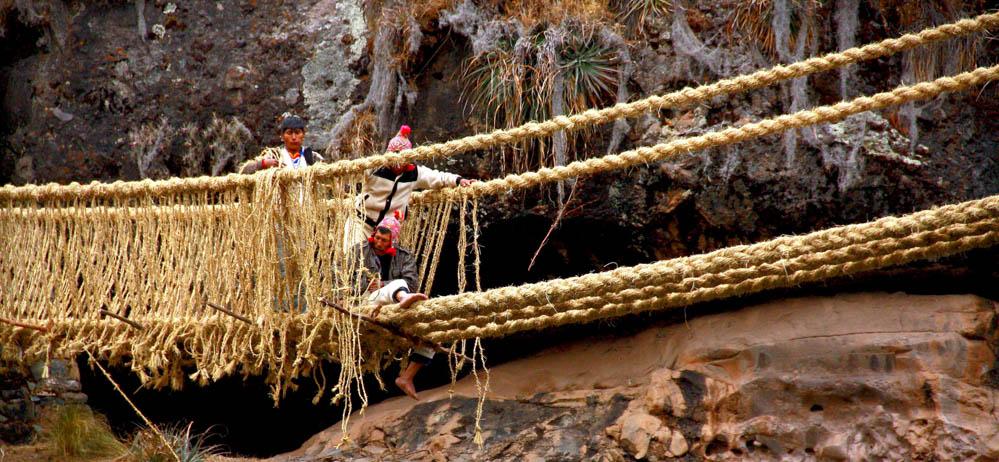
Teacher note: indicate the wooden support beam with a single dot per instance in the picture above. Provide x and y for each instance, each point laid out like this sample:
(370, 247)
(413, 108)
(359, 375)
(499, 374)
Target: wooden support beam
(24, 325)
(390, 328)
(123, 319)
(229, 312)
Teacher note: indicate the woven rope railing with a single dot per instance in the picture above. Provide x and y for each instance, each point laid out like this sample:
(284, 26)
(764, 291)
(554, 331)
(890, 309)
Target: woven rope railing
(662, 151)
(527, 131)
(659, 152)
(783, 262)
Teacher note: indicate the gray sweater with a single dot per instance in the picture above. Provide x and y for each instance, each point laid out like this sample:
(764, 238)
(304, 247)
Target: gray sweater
(403, 267)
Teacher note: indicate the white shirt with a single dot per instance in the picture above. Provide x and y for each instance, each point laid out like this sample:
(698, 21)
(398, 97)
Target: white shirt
(298, 162)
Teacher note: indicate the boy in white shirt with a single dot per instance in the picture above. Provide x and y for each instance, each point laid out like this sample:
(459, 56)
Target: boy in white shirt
(293, 155)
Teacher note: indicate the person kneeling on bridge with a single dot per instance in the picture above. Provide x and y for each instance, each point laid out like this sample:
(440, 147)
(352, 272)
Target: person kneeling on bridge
(393, 276)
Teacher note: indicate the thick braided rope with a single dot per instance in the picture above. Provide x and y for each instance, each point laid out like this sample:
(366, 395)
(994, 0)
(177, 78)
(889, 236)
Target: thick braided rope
(670, 271)
(794, 260)
(714, 262)
(679, 281)
(554, 318)
(744, 281)
(527, 131)
(659, 152)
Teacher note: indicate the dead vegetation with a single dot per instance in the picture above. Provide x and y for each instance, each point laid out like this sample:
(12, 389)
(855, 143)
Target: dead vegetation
(147, 147)
(215, 148)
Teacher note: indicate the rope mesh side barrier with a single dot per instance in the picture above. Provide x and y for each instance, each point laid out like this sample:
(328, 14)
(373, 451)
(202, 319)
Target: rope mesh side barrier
(786, 261)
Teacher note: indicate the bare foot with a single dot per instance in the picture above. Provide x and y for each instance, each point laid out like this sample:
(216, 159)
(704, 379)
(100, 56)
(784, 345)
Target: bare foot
(406, 386)
(406, 300)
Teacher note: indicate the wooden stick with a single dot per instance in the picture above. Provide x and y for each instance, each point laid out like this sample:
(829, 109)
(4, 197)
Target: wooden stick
(229, 312)
(24, 325)
(122, 319)
(392, 329)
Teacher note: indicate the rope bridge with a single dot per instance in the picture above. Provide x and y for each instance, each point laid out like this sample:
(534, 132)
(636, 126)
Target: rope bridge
(126, 270)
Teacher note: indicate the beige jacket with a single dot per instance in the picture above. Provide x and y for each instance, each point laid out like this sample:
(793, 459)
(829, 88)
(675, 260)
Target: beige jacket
(385, 193)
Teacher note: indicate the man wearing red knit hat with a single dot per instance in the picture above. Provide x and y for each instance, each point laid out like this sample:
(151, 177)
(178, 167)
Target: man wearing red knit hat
(387, 189)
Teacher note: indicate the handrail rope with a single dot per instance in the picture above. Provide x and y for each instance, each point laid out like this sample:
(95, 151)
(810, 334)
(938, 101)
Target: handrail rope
(526, 131)
(133, 211)
(770, 126)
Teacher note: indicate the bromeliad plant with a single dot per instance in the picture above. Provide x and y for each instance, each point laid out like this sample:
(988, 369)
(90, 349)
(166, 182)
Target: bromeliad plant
(590, 72)
(148, 447)
(552, 70)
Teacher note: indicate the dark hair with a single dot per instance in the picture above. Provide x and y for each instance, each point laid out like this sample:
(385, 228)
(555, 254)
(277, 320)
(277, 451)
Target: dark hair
(292, 122)
(383, 230)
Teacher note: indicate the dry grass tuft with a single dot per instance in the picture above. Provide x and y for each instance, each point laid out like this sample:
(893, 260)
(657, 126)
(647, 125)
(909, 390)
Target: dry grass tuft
(360, 139)
(147, 144)
(216, 148)
(534, 12)
(76, 432)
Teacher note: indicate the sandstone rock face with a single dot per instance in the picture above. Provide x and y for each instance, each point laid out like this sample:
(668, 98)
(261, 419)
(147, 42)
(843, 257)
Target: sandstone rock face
(852, 377)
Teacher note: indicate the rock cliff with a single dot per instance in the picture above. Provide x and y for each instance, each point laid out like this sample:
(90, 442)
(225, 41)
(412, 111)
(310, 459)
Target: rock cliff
(867, 376)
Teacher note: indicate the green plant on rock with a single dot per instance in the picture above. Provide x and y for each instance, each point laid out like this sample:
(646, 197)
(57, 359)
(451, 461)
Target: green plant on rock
(590, 71)
(553, 70)
(148, 447)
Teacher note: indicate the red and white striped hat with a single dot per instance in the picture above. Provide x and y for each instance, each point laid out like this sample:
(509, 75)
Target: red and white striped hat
(401, 140)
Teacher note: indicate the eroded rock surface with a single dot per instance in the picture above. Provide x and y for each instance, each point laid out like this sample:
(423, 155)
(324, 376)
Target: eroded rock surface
(852, 377)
